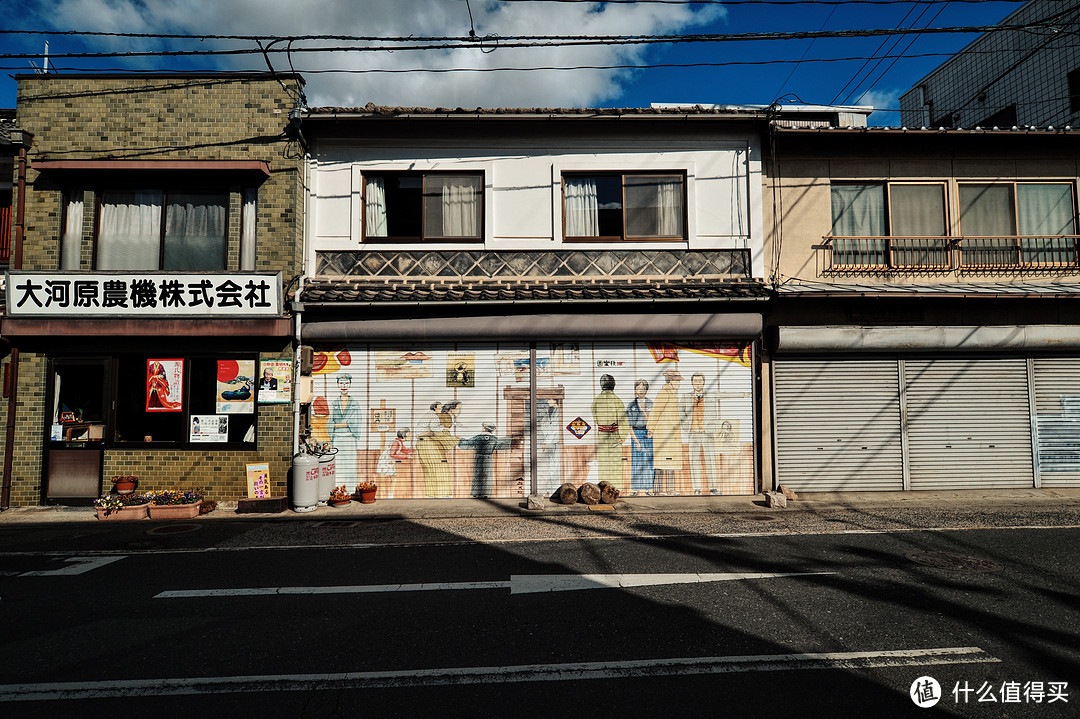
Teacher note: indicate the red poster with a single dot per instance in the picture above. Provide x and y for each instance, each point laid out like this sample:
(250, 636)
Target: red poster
(164, 385)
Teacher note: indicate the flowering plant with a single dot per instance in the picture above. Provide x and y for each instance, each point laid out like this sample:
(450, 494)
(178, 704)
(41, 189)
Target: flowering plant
(133, 500)
(109, 503)
(126, 478)
(174, 496)
(365, 486)
(340, 494)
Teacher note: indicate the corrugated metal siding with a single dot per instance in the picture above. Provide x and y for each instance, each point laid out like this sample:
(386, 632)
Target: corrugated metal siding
(968, 423)
(1057, 413)
(838, 424)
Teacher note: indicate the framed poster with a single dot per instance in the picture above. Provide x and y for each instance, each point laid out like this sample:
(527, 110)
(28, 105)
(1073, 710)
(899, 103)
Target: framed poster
(275, 381)
(235, 386)
(164, 385)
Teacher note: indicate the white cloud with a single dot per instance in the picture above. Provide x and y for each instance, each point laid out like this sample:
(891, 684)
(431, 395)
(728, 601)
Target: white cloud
(887, 100)
(403, 18)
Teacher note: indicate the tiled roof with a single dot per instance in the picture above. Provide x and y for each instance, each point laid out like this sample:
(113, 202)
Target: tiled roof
(350, 290)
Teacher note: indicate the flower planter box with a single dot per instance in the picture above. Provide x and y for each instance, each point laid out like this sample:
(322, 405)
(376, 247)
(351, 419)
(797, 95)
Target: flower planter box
(367, 496)
(137, 511)
(340, 502)
(174, 511)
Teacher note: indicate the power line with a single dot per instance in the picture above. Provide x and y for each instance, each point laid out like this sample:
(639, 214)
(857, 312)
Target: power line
(516, 41)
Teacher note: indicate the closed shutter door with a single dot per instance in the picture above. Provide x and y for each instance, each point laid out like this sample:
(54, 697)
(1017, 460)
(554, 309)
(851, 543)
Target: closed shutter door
(838, 425)
(968, 423)
(1057, 411)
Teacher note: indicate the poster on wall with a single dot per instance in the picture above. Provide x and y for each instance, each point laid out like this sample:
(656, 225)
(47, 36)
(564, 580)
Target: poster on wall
(164, 385)
(258, 480)
(402, 364)
(460, 369)
(275, 381)
(235, 382)
(208, 428)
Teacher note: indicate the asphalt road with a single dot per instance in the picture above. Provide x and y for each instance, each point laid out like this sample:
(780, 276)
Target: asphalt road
(453, 623)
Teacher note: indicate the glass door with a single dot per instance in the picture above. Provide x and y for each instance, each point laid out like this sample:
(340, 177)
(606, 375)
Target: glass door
(76, 421)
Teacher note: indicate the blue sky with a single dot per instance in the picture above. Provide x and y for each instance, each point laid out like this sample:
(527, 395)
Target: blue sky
(853, 81)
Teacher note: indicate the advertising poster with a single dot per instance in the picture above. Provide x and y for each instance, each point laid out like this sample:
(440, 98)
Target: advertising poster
(236, 386)
(258, 481)
(164, 385)
(275, 381)
(209, 428)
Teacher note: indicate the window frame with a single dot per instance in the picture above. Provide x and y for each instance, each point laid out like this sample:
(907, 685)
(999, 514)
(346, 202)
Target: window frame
(165, 188)
(1018, 249)
(888, 248)
(624, 238)
(422, 238)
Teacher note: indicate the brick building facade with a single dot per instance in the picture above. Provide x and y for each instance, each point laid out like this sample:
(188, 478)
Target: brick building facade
(174, 180)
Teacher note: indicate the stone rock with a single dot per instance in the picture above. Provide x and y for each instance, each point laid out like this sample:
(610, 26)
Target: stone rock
(788, 492)
(535, 501)
(775, 500)
(589, 493)
(567, 494)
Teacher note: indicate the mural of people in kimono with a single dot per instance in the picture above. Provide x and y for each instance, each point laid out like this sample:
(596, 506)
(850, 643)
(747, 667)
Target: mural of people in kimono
(609, 413)
(641, 447)
(700, 417)
(484, 444)
(549, 431)
(426, 447)
(663, 426)
(345, 419)
(444, 440)
(391, 457)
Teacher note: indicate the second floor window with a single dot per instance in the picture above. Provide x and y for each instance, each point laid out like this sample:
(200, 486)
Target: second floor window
(162, 230)
(624, 206)
(415, 206)
(1027, 222)
(889, 224)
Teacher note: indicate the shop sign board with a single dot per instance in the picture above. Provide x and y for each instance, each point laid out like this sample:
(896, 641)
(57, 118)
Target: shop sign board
(137, 294)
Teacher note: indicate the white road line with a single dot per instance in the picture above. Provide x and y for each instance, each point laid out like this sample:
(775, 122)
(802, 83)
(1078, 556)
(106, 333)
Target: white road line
(457, 676)
(518, 584)
(76, 565)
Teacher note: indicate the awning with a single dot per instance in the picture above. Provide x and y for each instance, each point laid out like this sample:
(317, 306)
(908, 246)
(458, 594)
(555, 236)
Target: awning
(586, 326)
(920, 339)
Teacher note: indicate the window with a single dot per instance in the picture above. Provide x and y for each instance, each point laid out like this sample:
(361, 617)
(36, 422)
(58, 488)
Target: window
(416, 206)
(1006, 223)
(1073, 79)
(889, 224)
(624, 206)
(162, 230)
(198, 395)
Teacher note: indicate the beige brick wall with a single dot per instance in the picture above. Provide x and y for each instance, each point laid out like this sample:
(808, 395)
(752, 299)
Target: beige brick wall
(238, 117)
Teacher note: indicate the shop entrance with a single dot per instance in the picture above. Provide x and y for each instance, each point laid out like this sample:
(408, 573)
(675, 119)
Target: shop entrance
(77, 411)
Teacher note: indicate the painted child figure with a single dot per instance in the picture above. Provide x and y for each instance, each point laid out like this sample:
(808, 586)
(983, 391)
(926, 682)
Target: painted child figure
(398, 452)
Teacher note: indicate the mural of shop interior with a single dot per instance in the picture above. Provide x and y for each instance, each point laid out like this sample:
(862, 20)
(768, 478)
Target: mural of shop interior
(454, 419)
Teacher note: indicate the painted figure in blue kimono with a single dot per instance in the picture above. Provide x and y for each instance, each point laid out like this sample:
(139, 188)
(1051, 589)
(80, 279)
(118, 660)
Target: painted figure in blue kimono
(344, 425)
(484, 445)
(641, 448)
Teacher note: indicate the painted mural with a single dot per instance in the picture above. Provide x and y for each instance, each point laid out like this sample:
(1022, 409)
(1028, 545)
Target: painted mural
(453, 420)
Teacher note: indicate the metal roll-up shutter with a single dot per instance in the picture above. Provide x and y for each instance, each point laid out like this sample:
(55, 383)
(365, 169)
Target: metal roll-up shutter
(968, 423)
(1057, 413)
(838, 424)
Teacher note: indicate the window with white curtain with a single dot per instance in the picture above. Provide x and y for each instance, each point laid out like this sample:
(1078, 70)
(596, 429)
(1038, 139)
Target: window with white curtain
(416, 206)
(896, 224)
(162, 230)
(1005, 223)
(624, 206)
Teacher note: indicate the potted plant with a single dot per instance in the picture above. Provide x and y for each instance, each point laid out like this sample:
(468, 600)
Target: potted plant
(340, 497)
(366, 492)
(125, 483)
(175, 504)
(121, 507)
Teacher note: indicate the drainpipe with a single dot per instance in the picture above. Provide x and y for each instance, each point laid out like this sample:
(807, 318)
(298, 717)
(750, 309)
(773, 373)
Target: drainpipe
(298, 307)
(22, 139)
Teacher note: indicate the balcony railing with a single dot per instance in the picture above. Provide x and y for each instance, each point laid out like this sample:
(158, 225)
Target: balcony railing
(945, 254)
